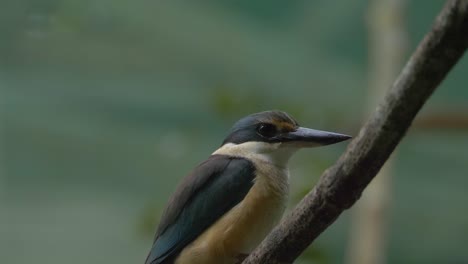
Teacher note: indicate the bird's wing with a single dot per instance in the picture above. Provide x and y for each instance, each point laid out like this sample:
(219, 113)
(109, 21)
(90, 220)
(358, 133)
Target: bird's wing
(212, 189)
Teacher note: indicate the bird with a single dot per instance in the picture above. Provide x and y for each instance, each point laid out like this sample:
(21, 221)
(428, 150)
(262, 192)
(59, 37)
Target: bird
(230, 202)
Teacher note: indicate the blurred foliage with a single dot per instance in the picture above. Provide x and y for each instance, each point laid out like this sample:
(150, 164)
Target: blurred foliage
(149, 220)
(230, 102)
(314, 255)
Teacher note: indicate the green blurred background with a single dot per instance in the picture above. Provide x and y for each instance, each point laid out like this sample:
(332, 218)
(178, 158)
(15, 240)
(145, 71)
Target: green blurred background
(107, 104)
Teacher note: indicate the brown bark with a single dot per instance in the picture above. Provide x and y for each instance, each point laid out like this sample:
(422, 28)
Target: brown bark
(341, 185)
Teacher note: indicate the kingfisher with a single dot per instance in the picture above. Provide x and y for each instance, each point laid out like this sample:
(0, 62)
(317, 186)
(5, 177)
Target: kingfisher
(228, 204)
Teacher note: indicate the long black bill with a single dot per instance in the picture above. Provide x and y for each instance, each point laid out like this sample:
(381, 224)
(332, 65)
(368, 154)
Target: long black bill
(307, 137)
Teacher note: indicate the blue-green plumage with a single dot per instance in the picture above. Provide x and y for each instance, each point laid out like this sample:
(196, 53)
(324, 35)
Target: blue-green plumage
(212, 189)
(202, 224)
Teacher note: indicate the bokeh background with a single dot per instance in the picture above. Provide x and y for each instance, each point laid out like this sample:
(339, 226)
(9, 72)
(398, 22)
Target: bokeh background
(106, 105)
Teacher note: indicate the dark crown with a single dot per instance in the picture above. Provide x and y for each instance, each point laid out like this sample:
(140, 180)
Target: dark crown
(261, 127)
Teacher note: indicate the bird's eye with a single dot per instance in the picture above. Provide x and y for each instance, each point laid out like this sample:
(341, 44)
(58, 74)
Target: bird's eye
(266, 130)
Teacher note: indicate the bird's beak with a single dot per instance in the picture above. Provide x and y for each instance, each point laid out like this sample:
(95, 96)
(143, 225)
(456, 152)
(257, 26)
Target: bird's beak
(306, 137)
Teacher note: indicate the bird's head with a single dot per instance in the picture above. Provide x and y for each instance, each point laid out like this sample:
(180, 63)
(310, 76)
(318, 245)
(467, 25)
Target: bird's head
(274, 135)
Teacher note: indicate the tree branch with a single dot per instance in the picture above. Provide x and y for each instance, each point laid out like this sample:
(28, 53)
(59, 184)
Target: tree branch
(342, 184)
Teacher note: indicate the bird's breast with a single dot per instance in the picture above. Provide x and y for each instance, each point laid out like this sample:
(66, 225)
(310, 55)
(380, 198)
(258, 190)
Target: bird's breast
(242, 228)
